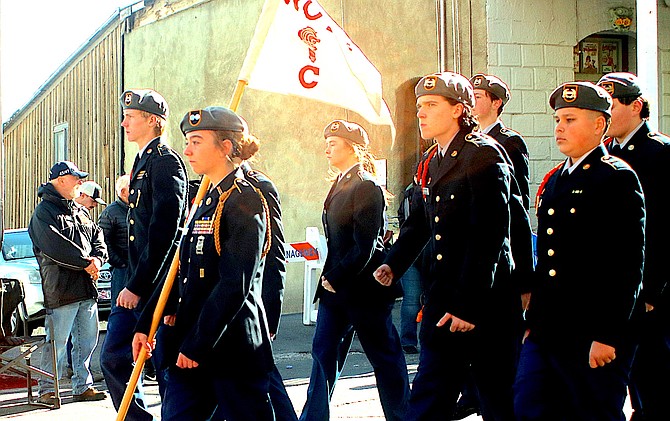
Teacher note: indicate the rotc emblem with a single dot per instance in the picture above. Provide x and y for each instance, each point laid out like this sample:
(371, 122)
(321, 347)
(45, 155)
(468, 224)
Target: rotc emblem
(208, 201)
(569, 93)
(430, 83)
(454, 153)
(128, 99)
(477, 82)
(586, 166)
(608, 86)
(194, 118)
(335, 127)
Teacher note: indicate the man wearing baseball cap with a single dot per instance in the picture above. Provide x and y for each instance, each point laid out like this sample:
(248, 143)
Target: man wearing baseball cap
(577, 350)
(158, 206)
(90, 194)
(70, 249)
(462, 218)
(648, 153)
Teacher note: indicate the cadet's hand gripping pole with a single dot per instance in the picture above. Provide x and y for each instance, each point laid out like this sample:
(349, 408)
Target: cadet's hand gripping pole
(167, 286)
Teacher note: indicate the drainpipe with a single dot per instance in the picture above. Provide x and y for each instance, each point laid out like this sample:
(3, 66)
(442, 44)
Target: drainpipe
(647, 55)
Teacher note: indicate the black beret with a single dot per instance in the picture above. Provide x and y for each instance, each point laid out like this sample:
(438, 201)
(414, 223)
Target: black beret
(447, 84)
(621, 85)
(347, 130)
(145, 100)
(584, 95)
(491, 84)
(211, 118)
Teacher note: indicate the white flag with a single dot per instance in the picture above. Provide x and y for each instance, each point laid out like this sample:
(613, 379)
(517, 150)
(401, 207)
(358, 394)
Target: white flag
(300, 50)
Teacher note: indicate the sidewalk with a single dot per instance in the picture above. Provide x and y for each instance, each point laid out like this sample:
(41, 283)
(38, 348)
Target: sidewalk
(355, 396)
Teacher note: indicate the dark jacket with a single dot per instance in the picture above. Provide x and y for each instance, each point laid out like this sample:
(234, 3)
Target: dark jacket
(353, 223)
(63, 237)
(157, 201)
(463, 216)
(220, 319)
(649, 156)
(517, 150)
(114, 223)
(590, 253)
(274, 272)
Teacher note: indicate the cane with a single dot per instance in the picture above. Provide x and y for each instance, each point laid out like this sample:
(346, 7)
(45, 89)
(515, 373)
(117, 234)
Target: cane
(167, 286)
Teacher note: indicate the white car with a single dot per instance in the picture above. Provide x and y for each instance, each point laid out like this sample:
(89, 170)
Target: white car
(17, 261)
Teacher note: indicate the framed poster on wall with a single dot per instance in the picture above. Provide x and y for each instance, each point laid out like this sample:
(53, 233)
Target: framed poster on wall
(609, 57)
(590, 57)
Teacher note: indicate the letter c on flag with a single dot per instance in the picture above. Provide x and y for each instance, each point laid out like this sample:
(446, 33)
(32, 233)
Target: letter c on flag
(301, 76)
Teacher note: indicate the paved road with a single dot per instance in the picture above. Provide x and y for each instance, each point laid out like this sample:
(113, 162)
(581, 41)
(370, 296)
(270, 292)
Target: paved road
(355, 396)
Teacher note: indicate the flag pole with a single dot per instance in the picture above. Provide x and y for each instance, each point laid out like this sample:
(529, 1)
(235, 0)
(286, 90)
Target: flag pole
(167, 286)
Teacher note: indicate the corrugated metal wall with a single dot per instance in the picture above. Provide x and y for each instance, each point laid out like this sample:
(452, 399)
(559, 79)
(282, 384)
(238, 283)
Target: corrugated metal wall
(85, 96)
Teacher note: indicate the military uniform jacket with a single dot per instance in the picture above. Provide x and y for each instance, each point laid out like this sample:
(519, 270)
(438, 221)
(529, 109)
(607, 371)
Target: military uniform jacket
(220, 319)
(649, 156)
(517, 150)
(590, 248)
(157, 201)
(353, 223)
(274, 272)
(463, 216)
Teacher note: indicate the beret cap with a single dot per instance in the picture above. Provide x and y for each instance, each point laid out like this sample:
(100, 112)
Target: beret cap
(621, 85)
(447, 84)
(491, 84)
(583, 95)
(211, 118)
(145, 100)
(348, 130)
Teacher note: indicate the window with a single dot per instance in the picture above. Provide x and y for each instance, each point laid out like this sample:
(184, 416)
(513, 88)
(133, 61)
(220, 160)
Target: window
(597, 55)
(60, 142)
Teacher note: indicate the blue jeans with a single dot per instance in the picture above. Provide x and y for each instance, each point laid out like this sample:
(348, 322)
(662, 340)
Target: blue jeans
(80, 320)
(411, 304)
(116, 361)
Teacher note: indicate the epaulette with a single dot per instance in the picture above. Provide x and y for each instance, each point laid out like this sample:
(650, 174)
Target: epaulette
(255, 173)
(659, 137)
(475, 138)
(614, 162)
(509, 132)
(546, 178)
(364, 175)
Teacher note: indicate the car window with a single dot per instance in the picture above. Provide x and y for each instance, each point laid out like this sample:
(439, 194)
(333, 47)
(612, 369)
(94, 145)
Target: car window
(17, 245)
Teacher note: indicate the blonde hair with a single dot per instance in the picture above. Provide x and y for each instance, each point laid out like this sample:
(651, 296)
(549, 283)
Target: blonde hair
(160, 122)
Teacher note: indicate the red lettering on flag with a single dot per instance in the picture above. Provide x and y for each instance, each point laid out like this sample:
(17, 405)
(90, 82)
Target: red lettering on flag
(301, 76)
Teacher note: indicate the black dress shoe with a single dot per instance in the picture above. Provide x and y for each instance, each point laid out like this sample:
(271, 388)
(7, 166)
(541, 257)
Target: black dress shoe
(464, 411)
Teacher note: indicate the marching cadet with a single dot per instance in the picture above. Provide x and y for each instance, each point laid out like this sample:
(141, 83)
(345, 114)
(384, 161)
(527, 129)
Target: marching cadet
(157, 202)
(649, 155)
(463, 216)
(491, 95)
(577, 352)
(221, 333)
(349, 297)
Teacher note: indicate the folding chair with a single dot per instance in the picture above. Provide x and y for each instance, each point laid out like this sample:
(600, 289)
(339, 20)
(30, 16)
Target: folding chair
(20, 363)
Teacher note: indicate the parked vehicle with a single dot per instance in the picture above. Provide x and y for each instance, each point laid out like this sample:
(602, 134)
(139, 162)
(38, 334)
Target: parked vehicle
(17, 261)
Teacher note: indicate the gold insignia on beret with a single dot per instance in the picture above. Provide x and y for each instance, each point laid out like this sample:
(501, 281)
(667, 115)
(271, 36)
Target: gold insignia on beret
(194, 117)
(430, 83)
(477, 81)
(569, 93)
(128, 99)
(608, 86)
(335, 126)
(454, 153)
(586, 166)
(208, 201)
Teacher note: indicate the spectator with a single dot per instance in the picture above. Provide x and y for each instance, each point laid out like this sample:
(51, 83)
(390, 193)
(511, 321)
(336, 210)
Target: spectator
(70, 250)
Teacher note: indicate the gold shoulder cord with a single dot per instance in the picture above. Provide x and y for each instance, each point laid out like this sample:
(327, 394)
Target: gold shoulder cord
(217, 218)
